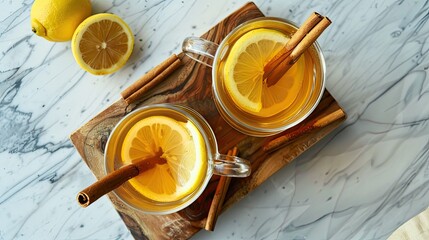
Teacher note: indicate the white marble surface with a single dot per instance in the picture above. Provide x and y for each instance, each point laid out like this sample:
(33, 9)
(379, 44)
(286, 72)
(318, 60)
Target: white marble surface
(361, 182)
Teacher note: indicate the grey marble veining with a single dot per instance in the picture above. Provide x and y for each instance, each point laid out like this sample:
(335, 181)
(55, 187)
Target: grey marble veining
(361, 182)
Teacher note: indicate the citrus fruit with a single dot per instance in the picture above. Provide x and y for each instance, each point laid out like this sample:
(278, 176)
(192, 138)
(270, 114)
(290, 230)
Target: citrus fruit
(181, 145)
(102, 43)
(244, 70)
(56, 20)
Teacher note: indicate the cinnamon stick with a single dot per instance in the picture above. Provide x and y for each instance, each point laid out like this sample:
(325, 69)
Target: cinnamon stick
(311, 21)
(150, 79)
(115, 179)
(311, 37)
(330, 118)
(289, 136)
(218, 198)
(304, 37)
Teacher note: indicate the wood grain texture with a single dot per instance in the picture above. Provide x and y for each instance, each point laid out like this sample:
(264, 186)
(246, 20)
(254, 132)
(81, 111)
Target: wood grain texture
(191, 85)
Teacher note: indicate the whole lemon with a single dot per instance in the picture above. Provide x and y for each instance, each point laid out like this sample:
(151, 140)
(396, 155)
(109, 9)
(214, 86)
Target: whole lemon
(56, 20)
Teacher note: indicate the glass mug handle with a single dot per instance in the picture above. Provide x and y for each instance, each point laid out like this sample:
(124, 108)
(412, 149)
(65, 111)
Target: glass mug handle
(195, 46)
(231, 166)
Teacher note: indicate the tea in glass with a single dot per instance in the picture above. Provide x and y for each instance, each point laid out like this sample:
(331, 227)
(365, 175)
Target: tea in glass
(186, 144)
(242, 96)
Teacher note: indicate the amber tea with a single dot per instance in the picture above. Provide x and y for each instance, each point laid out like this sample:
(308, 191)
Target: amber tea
(187, 152)
(242, 96)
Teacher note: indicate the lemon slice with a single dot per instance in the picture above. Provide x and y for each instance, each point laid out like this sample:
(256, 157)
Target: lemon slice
(182, 147)
(244, 69)
(102, 43)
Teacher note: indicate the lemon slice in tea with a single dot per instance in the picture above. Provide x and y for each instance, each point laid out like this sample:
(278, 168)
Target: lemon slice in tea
(244, 70)
(182, 147)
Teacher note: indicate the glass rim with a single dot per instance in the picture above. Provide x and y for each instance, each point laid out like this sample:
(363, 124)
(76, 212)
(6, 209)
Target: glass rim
(179, 108)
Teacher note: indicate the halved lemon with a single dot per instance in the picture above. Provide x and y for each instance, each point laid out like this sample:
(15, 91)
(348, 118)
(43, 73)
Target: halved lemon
(102, 43)
(244, 70)
(182, 147)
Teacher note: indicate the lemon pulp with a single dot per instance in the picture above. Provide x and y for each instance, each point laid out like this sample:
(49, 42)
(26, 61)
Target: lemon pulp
(182, 147)
(102, 43)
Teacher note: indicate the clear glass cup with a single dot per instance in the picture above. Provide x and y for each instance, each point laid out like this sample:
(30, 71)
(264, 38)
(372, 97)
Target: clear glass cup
(213, 55)
(219, 164)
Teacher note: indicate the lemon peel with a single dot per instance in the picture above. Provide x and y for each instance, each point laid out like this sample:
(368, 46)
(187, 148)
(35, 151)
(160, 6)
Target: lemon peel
(56, 20)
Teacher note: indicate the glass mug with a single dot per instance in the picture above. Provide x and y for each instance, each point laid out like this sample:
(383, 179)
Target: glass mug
(217, 163)
(286, 113)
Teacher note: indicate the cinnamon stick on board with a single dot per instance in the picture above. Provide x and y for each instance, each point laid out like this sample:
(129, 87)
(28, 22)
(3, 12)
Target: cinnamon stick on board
(303, 38)
(115, 179)
(289, 136)
(218, 198)
(151, 79)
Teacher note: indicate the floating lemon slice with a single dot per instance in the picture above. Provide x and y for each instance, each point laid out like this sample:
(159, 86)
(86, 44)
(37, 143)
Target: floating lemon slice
(244, 70)
(182, 147)
(102, 43)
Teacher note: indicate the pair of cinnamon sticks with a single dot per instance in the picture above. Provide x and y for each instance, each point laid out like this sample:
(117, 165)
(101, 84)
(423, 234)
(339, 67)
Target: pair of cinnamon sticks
(115, 179)
(303, 38)
(152, 78)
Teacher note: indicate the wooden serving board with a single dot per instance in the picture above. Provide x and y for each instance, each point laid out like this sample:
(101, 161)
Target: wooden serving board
(191, 85)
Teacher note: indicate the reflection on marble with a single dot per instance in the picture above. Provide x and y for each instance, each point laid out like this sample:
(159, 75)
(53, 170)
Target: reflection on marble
(361, 182)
